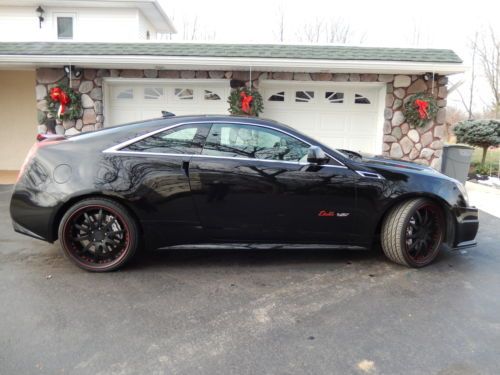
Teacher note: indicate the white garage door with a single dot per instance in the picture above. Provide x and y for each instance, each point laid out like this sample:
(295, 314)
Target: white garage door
(343, 116)
(128, 102)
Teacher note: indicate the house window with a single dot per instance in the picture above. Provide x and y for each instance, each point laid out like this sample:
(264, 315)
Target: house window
(304, 96)
(360, 99)
(65, 26)
(278, 97)
(334, 97)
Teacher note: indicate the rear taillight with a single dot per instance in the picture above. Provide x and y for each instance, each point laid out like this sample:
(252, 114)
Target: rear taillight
(50, 137)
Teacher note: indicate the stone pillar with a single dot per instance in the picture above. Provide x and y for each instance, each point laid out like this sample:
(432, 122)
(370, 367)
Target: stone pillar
(422, 145)
(89, 85)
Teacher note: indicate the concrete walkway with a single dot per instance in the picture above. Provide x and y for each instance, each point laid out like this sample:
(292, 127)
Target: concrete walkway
(484, 197)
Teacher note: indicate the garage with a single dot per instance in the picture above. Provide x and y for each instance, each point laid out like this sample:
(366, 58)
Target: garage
(340, 115)
(141, 100)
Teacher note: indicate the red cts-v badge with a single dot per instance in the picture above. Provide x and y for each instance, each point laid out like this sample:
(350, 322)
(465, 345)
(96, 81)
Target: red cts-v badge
(325, 213)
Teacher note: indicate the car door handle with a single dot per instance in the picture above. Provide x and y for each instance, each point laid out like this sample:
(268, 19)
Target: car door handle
(185, 168)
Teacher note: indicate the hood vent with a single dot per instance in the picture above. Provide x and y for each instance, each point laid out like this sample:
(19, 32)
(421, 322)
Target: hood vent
(370, 174)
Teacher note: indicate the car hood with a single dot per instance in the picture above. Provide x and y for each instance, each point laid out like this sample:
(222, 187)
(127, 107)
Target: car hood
(395, 163)
(381, 163)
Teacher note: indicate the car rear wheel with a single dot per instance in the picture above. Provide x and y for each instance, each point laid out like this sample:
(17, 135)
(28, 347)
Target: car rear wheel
(98, 234)
(412, 232)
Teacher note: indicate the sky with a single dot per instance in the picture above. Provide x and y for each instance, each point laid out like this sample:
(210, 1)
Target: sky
(386, 23)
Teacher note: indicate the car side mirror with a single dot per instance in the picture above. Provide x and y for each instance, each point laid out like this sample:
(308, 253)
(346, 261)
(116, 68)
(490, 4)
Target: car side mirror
(315, 155)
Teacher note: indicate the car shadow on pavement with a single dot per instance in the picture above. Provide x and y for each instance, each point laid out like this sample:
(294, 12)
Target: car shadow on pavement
(257, 257)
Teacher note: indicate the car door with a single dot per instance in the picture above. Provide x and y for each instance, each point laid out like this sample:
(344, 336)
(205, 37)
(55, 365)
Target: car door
(154, 174)
(253, 182)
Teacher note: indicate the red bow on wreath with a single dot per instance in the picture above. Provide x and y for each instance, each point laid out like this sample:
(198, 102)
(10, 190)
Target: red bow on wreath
(422, 107)
(246, 100)
(58, 95)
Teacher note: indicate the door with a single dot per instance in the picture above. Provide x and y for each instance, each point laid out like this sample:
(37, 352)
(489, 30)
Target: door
(253, 183)
(345, 116)
(134, 101)
(154, 175)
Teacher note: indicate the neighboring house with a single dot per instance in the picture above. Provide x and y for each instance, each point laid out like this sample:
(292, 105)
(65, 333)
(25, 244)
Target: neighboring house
(347, 97)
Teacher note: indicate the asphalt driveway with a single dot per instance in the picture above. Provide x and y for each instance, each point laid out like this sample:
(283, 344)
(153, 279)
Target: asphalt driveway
(249, 311)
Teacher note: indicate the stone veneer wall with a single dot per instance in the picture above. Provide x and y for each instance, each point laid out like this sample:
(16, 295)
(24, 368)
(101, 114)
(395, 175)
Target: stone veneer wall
(422, 145)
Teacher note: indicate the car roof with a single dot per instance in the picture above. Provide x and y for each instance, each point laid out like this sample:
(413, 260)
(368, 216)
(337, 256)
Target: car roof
(232, 118)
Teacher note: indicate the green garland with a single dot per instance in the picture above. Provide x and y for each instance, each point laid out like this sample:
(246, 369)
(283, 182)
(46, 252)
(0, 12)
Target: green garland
(413, 113)
(73, 110)
(235, 102)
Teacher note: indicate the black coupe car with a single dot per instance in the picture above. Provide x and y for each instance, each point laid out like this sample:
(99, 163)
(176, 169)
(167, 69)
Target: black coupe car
(225, 179)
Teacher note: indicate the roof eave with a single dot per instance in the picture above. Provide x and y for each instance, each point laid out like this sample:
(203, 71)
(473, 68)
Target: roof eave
(234, 63)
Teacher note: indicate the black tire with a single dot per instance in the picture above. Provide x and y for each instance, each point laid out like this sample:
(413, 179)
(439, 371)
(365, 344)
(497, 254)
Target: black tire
(98, 234)
(412, 232)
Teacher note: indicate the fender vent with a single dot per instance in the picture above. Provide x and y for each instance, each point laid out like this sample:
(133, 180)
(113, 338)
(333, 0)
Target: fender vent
(370, 174)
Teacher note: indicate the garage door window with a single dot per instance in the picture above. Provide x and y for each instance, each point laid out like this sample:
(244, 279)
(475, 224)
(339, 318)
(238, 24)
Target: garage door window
(210, 95)
(278, 97)
(360, 99)
(187, 139)
(184, 94)
(153, 93)
(334, 97)
(234, 140)
(127, 93)
(304, 96)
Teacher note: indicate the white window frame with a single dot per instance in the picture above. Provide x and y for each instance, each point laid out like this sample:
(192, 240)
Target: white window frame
(64, 15)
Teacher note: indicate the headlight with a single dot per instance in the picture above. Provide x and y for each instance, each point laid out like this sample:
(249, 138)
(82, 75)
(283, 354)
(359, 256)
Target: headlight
(462, 190)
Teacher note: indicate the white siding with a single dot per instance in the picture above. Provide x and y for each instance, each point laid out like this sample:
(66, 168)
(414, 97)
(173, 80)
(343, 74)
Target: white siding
(144, 27)
(90, 25)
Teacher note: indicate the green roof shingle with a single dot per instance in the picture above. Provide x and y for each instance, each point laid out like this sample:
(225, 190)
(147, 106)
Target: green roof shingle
(277, 51)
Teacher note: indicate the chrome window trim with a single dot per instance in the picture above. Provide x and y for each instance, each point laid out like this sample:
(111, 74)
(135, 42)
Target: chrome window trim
(145, 153)
(117, 149)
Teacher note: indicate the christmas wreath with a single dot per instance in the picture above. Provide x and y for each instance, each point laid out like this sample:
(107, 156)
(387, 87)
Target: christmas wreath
(420, 108)
(64, 103)
(244, 101)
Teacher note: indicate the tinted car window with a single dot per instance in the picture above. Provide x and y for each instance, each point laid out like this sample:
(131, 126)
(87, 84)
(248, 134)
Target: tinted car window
(249, 141)
(186, 139)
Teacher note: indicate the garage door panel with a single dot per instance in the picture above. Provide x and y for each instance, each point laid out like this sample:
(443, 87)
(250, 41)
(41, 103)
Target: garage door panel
(142, 101)
(362, 123)
(342, 116)
(360, 144)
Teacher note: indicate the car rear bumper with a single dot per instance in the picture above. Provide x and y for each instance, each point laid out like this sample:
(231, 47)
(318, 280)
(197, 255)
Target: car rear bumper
(20, 229)
(32, 213)
(466, 228)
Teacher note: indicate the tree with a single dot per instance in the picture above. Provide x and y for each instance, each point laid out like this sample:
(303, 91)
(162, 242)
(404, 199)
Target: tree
(479, 133)
(280, 32)
(468, 102)
(489, 55)
(332, 30)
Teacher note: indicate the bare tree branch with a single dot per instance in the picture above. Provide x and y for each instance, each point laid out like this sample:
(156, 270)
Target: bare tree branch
(489, 54)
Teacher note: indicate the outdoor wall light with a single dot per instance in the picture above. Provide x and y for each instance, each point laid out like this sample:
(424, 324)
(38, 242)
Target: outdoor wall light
(75, 72)
(40, 12)
(429, 76)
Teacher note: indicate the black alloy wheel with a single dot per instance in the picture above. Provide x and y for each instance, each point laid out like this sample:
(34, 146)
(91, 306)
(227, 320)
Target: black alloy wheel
(413, 231)
(98, 234)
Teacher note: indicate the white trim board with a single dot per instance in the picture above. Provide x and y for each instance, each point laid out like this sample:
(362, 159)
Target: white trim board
(236, 63)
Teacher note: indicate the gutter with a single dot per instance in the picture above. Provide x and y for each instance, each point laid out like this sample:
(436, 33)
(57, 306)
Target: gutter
(230, 63)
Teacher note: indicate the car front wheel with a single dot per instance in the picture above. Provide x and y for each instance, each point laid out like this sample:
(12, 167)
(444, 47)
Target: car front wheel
(412, 232)
(98, 234)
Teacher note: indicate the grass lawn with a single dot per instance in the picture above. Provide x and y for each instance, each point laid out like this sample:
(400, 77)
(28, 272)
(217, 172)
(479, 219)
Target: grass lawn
(492, 157)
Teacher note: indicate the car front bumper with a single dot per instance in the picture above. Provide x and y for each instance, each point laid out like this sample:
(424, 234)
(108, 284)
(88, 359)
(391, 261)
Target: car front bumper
(466, 227)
